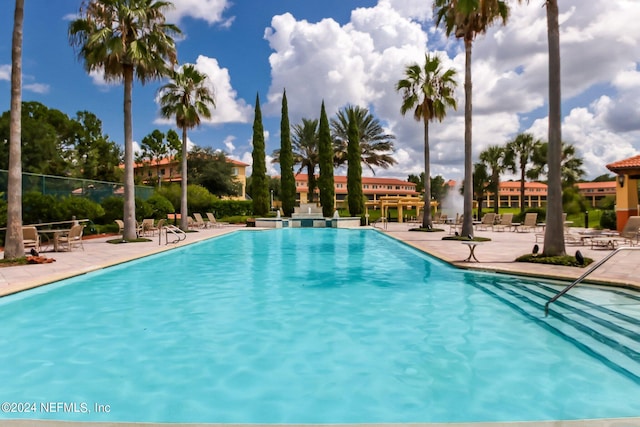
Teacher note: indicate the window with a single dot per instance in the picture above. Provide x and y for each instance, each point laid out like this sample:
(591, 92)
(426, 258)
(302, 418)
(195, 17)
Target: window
(162, 171)
(234, 171)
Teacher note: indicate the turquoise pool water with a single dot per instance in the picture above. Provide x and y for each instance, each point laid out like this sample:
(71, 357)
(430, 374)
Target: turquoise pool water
(292, 326)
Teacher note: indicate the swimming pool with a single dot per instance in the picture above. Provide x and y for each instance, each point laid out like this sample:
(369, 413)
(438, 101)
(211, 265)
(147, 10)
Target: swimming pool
(295, 326)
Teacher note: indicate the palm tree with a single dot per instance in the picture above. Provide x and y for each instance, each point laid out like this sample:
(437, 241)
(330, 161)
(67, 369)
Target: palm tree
(466, 19)
(375, 144)
(553, 235)
(304, 144)
(493, 157)
(125, 39)
(428, 91)
(187, 98)
(518, 153)
(570, 164)
(13, 246)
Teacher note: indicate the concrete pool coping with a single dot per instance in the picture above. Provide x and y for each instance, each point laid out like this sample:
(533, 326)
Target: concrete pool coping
(496, 256)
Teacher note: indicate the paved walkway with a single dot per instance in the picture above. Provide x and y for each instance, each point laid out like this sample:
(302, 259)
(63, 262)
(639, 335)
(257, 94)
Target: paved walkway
(496, 255)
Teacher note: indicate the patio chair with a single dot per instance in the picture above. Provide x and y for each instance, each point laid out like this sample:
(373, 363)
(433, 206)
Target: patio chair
(30, 238)
(213, 222)
(529, 223)
(148, 226)
(505, 222)
(73, 238)
(120, 225)
(487, 221)
(456, 226)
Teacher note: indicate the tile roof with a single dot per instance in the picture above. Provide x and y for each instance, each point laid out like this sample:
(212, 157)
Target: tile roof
(622, 165)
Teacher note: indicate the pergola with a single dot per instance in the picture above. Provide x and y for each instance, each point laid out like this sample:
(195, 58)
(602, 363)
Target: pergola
(628, 171)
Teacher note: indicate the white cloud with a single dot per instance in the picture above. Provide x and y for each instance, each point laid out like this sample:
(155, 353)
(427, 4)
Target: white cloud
(210, 11)
(5, 72)
(229, 108)
(360, 62)
(228, 143)
(37, 88)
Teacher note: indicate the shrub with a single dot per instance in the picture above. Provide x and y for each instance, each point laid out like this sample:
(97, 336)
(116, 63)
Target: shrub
(80, 207)
(143, 210)
(567, 260)
(160, 205)
(229, 208)
(113, 209)
(608, 220)
(38, 207)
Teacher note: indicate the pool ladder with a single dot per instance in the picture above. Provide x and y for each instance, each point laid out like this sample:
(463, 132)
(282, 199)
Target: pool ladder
(581, 278)
(177, 233)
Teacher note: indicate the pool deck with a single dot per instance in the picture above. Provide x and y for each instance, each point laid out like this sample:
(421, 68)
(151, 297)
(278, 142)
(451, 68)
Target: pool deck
(496, 255)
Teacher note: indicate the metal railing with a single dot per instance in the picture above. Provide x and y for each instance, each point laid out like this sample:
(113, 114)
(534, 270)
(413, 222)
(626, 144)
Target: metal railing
(581, 278)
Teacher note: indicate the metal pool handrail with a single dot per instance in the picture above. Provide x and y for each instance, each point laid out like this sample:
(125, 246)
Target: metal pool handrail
(581, 278)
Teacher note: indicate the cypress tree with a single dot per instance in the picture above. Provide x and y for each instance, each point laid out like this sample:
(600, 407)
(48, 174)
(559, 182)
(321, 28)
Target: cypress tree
(259, 182)
(325, 161)
(354, 169)
(287, 180)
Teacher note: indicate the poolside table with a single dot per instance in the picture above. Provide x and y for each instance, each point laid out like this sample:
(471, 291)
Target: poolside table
(472, 248)
(55, 234)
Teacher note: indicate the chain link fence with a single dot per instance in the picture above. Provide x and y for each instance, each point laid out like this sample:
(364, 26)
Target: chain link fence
(63, 187)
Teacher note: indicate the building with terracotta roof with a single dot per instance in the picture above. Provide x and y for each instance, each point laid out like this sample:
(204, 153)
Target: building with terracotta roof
(372, 187)
(168, 170)
(628, 171)
(596, 191)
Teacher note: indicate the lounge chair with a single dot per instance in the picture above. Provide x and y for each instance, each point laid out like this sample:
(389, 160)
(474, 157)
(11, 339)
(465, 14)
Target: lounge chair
(487, 221)
(529, 223)
(31, 238)
(630, 235)
(505, 222)
(200, 223)
(213, 222)
(72, 238)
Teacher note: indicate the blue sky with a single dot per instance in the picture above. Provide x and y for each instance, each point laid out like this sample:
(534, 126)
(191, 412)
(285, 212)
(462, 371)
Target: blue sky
(353, 52)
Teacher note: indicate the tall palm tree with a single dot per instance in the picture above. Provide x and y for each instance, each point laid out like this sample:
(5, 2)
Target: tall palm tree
(553, 235)
(428, 91)
(304, 144)
(187, 98)
(466, 19)
(13, 246)
(518, 153)
(125, 39)
(375, 144)
(493, 157)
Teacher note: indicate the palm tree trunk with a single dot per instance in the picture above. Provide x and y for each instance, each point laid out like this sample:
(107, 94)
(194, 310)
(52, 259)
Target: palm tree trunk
(523, 165)
(496, 194)
(467, 223)
(426, 218)
(13, 247)
(554, 232)
(129, 214)
(184, 222)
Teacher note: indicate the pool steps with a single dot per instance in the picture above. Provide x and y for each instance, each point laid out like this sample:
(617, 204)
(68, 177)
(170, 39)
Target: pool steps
(609, 331)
